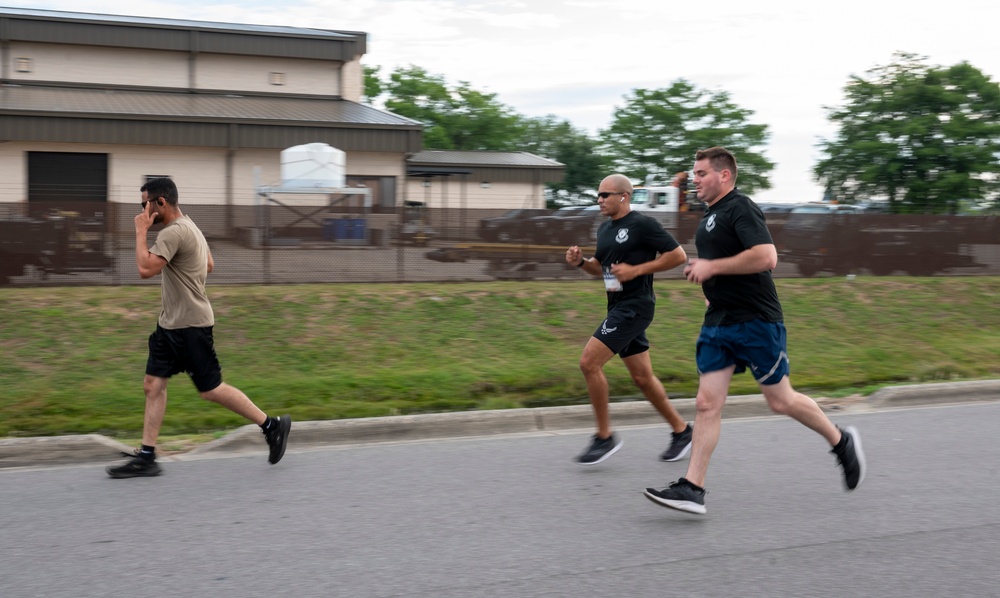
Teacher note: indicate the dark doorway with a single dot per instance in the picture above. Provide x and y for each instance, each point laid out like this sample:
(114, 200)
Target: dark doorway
(67, 181)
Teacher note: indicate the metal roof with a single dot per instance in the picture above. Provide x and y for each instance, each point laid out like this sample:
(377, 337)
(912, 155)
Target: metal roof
(175, 23)
(498, 167)
(482, 158)
(146, 105)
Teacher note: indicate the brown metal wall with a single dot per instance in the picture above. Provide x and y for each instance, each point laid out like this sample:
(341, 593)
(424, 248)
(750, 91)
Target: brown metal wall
(94, 34)
(172, 37)
(202, 134)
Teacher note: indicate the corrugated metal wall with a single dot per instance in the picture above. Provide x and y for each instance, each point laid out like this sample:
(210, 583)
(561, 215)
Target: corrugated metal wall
(345, 47)
(203, 134)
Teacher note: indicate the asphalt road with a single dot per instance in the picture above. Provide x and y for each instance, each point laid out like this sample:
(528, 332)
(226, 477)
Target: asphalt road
(511, 515)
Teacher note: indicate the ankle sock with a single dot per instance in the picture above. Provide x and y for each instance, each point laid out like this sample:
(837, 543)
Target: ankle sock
(839, 447)
(268, 423)
(147, 452)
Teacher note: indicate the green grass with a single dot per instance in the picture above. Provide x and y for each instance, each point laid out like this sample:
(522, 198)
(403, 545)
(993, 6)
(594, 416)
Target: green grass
(73, 358)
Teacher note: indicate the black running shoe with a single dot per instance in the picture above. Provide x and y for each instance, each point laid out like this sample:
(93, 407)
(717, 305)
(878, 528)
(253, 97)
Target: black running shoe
(277, 438)
(851, 457)
(135, 467)
(681, 495)
(680, 445)
(599, 450)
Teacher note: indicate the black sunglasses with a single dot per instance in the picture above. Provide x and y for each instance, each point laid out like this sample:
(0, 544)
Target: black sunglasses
(607, 194)
(143, 203)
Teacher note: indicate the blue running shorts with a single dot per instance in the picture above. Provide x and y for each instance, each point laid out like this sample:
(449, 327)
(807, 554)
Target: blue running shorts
(756, 344)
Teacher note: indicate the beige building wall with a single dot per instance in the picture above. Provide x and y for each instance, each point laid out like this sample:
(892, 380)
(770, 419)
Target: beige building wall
(87, 64)
(498, 196)
(155, 68)
(200, 173)
(377, 164)
(261, 74)
(352, 81)
(13, 169)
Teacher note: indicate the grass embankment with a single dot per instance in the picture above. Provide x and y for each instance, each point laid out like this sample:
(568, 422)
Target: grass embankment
(73, 358)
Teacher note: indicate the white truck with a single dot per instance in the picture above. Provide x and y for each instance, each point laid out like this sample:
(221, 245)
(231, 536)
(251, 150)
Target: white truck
(659, 202)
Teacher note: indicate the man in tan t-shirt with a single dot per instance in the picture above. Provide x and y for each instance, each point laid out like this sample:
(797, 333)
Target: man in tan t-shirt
(183, 340)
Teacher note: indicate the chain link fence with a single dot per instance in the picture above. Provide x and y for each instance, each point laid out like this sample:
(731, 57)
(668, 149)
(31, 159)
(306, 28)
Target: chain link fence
(313, 241)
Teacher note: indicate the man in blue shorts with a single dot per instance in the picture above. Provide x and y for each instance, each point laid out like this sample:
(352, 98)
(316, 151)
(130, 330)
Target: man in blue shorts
(743, 328)
(183, 340)
(631, 247)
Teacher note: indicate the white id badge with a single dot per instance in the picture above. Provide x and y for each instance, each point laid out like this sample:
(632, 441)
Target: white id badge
(612, 284)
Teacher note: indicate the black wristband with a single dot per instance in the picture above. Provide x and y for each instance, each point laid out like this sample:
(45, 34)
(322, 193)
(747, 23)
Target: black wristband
(583, 261)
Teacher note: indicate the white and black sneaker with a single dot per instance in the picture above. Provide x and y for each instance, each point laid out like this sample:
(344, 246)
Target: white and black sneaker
(681, 495)
(680, 445)
(851, 457)
(599, 450)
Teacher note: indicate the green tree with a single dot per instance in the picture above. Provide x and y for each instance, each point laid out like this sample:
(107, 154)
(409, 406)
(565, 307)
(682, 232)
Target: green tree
(455, 117)
(922, 137)
(658, 131)
(557, 139)
(373, 84)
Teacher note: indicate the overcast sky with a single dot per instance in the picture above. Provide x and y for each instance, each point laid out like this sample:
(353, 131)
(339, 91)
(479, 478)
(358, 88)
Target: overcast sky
(784, 60)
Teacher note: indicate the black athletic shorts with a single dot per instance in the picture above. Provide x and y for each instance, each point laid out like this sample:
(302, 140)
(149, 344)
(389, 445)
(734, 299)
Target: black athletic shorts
(624, 331)
(190, 350)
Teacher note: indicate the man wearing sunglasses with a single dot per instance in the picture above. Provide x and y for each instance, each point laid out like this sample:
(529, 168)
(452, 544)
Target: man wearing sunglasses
(631, 247)
(183, 340)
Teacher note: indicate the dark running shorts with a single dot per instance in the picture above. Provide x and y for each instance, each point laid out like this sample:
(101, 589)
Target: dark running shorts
(757, 344)
(624, 331)
(190, 350)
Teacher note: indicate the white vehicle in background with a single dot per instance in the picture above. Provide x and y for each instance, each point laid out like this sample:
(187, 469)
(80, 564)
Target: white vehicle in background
(656, 199)
(659, 202)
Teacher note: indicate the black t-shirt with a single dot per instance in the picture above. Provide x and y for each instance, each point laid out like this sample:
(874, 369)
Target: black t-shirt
(632, 239)
(729, 227)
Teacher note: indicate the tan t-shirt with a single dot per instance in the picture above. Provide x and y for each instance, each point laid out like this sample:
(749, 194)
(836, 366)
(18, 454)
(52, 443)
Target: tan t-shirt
(185, 303)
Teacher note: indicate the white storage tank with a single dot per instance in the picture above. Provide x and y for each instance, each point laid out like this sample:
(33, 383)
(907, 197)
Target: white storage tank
(313, 165)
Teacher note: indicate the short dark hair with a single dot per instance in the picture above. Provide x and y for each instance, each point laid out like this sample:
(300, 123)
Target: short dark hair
(720, 158)
(161, 188)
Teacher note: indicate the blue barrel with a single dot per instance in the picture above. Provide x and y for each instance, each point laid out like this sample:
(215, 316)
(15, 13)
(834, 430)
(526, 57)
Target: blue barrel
(357, 230)
(345, 229)
(330, 229)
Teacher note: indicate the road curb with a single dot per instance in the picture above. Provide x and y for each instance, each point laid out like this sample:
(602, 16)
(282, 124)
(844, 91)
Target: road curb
(92, 448)
(467, 423)
(931, 394)
(59, 450)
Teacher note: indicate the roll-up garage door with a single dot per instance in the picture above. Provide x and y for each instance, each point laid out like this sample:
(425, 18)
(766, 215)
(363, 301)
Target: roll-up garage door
(68, 181)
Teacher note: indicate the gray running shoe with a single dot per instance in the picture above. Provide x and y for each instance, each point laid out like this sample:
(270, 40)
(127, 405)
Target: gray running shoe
(599, 450)
(851, 457)
(681, 495)
(680, 445)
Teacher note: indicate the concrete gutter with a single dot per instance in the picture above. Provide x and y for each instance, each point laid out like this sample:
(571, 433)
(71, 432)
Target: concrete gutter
(90, 448)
